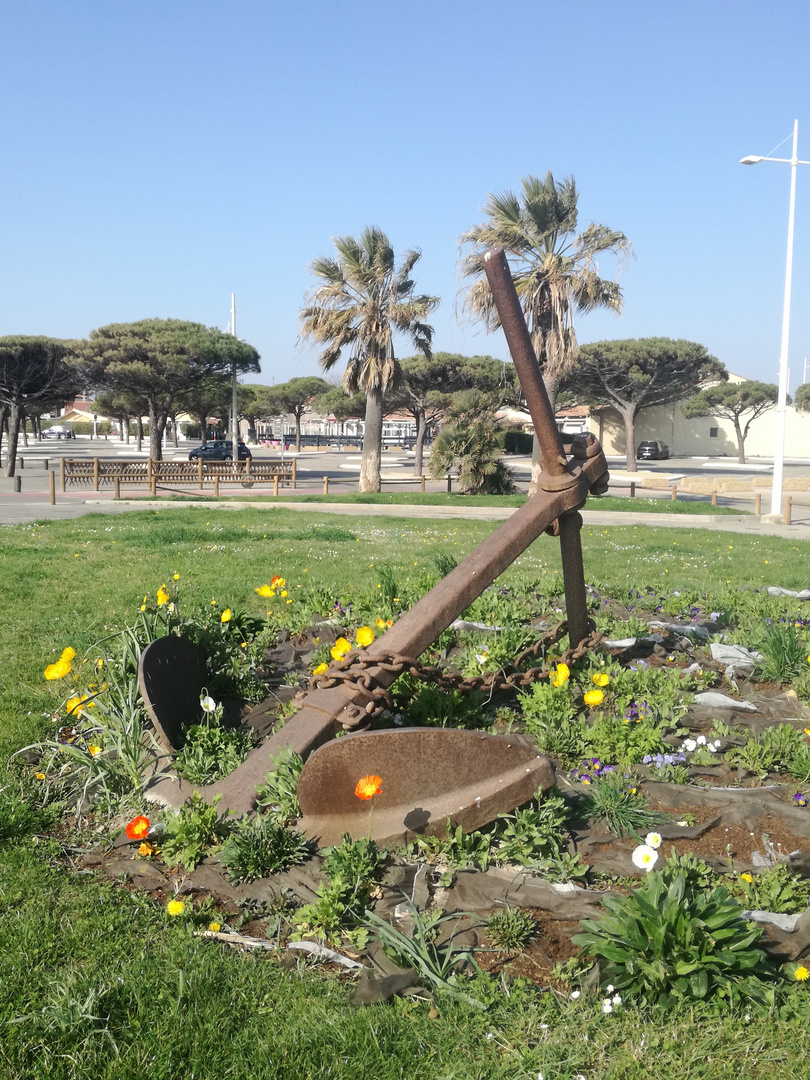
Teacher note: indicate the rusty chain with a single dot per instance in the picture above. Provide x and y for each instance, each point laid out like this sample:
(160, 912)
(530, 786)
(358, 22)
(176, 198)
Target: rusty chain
(356, 668)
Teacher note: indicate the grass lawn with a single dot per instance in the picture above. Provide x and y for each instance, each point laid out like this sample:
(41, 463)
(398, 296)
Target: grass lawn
(98, 982)
(619, 503)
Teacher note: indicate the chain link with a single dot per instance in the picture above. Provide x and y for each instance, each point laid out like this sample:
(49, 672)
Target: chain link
(356, 668)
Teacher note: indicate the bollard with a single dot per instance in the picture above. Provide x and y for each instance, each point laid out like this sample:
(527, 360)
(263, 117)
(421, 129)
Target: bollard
(95, 474)
(45, 463)
(449, 482)
(117, 486)
(423, 481)
(673, 494)
(275, 485)
(61, 474)
(758, 503)
(52, 487)
(20, 463)
(326, 485)
(18, 484)
(216, 485)
(632, 489)
(294, 472)
(200, 472)
(788, 509)
(714, 496)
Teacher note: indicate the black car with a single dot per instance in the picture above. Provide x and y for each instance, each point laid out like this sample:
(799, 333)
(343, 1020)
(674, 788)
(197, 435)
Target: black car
(653, 450)
(220, 450)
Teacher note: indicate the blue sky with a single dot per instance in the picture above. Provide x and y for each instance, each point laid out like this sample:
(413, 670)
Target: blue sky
(158, 155)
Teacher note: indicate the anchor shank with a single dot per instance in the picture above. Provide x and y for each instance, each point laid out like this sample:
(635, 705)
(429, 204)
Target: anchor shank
(525, 360)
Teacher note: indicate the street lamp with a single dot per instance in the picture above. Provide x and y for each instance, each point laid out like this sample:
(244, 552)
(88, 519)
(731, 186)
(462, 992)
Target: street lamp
(781, 403)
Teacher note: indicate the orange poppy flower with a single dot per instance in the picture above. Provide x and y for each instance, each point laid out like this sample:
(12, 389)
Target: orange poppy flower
(368, 787)
(137, 828)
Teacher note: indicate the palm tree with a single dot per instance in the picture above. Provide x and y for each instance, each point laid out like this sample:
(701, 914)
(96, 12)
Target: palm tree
(359, 304)
(554, 267)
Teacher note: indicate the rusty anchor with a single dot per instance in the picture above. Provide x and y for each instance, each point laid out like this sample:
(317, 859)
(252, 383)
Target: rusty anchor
(429, 775)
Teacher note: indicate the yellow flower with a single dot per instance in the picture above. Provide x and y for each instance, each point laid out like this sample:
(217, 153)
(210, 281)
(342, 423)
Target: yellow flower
(215, 927)
(340, 648)
(365, 636)
(175, 577)
(175, 907)
(68, 654)
(93, 750)
(40, 776)
(801, 974)
(265, 590)
(162, 596)
(226, 615)
(380, 623)
(319, 670)
(601, 679)
(593, 698)
(562, 673)
(746, 877)
(145, 850)
(58, 670)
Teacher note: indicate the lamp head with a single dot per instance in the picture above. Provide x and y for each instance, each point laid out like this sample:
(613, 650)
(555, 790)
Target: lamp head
(752, 159)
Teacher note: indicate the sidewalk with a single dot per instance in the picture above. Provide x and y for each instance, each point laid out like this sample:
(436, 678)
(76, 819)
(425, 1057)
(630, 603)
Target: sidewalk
(33, 504)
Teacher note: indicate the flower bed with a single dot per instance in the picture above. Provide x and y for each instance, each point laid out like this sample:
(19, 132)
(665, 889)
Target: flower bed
(719, 782)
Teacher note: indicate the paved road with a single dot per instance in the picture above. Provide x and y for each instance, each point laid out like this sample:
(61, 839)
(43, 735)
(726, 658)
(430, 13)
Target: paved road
(342, 468)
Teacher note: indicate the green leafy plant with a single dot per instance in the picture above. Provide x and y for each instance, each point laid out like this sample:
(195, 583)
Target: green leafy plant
(278, 795)
(211, 751)
(532, 834)
(353, 869)
(424, 705)
(194, 832)
(784, 653)
(511, 928)
(696, 872)
(615, 802)
(550, 714)
(438, 964)
(777, 889)
(258, 847)
(668, 943)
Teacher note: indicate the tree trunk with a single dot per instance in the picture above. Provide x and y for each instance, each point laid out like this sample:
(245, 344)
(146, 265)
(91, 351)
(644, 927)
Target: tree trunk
(139, 434)
(3, 419)
(740, 441)
(629, 417)
(13, 436)
(298, 434)
(419, 445)
(551, 385)
(372, 442)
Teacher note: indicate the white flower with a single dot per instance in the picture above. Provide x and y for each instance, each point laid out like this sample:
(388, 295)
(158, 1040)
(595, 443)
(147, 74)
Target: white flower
(610, 988)
(653, 840)
(701, 740)
(714, 746)
(489, 1035)
(617, 999)
(576, 994)
(689, 745)
(208, 704)
(645, 858)
(606, 1006)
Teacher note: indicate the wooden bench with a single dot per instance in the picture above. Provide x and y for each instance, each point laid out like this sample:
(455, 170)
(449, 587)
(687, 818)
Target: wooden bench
(106, 472)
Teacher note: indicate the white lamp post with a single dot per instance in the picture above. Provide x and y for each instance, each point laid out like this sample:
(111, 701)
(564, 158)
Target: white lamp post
(781, 404)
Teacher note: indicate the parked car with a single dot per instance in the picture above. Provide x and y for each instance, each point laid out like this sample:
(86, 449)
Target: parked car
(220, 450)
(56, 432)
(653, 449)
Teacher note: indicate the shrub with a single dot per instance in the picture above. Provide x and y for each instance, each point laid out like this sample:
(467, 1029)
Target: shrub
(511, 928)
(259, 847)
(670, 944)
